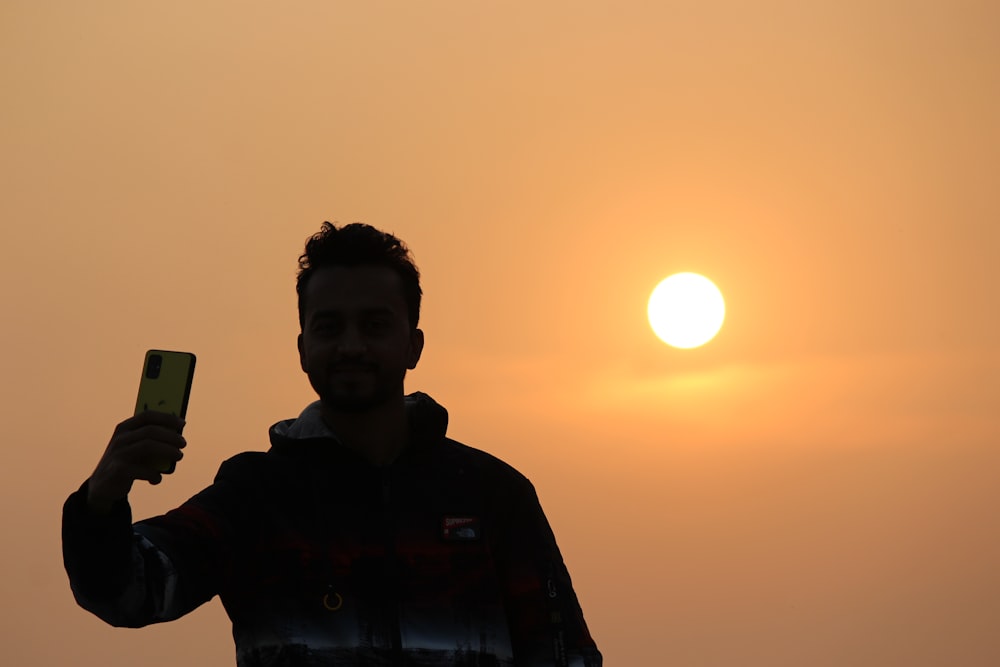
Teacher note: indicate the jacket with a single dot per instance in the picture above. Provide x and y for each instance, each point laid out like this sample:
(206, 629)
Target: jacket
(443, 557)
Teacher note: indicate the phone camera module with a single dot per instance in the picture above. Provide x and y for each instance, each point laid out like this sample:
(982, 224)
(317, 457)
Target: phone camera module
(154, 365)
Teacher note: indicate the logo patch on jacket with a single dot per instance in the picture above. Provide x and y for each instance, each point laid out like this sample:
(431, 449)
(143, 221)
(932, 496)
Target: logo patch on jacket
(461, 528)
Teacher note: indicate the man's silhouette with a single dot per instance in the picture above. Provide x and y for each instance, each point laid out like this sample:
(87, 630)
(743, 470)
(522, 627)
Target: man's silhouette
(364, 535)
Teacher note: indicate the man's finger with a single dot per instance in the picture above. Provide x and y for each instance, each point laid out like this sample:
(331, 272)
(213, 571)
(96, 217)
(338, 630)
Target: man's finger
(151, 433)
(151, 418)
(143, 452)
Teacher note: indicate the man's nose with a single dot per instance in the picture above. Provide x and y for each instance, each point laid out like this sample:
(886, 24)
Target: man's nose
(352, 342)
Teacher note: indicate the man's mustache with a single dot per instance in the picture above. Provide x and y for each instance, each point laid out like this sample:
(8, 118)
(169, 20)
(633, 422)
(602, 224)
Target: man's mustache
(354, 366)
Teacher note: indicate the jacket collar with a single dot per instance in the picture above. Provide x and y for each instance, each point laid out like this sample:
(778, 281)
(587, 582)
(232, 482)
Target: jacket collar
(428, 423)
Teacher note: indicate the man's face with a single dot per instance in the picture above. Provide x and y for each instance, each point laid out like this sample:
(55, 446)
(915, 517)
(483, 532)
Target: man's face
(356, 342)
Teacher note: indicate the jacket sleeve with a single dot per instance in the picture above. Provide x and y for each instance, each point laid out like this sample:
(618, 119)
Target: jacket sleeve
(155, 570)
(545, 619)
(115, 572)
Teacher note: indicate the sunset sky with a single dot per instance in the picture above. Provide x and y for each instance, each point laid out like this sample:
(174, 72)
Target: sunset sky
(816, 486)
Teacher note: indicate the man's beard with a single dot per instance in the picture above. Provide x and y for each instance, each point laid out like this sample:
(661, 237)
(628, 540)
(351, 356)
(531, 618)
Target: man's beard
(383, 390)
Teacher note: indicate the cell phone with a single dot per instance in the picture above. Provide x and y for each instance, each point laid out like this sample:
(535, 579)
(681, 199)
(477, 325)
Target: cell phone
(165, 385)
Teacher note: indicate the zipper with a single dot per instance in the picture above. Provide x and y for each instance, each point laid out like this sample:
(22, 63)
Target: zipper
(391, 569)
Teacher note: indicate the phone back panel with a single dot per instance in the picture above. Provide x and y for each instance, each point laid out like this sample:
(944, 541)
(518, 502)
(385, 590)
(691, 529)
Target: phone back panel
(166, 382)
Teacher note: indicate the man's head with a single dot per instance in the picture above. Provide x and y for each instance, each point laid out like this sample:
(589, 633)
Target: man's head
(358, 244)
(359, 302)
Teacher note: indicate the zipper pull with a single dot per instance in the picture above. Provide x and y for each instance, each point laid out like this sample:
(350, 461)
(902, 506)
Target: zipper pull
(332, 600)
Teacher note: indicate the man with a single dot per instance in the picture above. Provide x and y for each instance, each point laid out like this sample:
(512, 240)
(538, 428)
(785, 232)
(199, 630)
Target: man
(364, 536)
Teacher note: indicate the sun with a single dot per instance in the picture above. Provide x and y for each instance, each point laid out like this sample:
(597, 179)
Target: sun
(686, 310)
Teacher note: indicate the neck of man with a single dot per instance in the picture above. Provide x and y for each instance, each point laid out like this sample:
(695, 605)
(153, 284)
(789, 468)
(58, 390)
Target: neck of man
(379, 434)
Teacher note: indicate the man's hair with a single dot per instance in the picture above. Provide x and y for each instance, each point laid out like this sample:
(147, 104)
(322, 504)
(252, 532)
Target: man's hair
(358, 244)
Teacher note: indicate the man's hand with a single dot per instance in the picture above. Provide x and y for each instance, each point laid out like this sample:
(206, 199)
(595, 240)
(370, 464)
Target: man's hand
(142, 447)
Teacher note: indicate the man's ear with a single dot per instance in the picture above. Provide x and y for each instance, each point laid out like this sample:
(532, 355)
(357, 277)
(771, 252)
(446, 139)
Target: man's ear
(416, 347)
(302, 355)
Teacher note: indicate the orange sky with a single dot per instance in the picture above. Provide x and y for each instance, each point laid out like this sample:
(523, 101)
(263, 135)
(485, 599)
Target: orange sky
(814, 487)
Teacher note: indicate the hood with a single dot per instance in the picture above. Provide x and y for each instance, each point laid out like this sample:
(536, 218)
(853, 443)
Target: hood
(427, 418)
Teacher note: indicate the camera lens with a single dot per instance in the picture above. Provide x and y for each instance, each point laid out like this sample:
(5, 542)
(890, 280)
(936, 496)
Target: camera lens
(153, 367)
